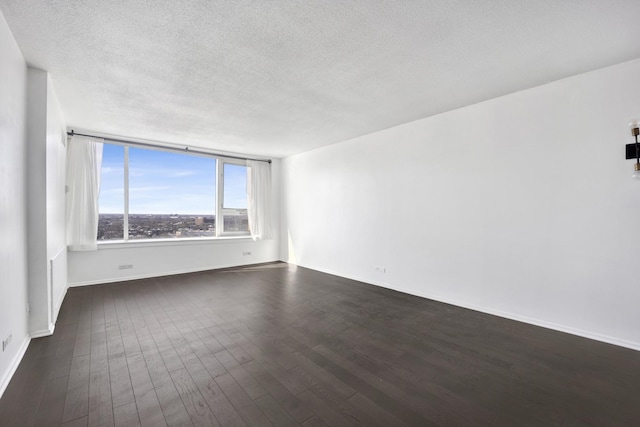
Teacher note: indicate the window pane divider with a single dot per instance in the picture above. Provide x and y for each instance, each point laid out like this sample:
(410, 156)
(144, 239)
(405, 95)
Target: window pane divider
(125, 227)
(219, 196)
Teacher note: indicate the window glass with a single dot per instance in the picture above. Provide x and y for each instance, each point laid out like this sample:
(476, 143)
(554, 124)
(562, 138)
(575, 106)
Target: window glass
(111, 198)
(171, 194)
(234, 202)
(234, 223)
(235, 186)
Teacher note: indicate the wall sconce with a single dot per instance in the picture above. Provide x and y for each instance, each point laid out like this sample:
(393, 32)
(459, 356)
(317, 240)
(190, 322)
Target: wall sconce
(633, 150)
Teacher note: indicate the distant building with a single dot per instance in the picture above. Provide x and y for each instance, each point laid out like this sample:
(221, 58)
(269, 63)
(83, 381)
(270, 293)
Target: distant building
(199, 220)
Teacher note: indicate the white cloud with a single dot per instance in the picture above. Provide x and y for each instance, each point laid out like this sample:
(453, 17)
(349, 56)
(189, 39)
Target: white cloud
(182, 173)
(149, 189)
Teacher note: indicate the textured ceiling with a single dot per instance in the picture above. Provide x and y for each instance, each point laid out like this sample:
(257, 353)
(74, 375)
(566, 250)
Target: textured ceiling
(281, 77)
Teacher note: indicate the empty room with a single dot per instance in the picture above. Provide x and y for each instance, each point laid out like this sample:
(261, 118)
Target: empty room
(319, 213)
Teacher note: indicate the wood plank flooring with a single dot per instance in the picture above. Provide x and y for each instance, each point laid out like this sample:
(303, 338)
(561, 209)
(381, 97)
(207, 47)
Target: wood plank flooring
(284, 346)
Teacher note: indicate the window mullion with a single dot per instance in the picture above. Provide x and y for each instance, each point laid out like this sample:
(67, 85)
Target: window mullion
(126, 194)
(219, 195)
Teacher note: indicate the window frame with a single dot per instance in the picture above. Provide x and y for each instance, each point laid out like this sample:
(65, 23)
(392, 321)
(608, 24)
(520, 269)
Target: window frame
(219, 213)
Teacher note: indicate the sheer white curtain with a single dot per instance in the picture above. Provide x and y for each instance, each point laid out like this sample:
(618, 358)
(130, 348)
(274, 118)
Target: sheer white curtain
(259, 199)
(84, 159)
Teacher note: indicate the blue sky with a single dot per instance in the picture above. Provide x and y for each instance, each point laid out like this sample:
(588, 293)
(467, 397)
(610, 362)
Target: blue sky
(163, 182)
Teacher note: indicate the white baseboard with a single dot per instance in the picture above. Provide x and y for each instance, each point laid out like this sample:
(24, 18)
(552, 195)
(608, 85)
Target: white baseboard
(58, 303)
(43, 332)
(6, 378)
(542, 323)
(166, 273)
(488, 310)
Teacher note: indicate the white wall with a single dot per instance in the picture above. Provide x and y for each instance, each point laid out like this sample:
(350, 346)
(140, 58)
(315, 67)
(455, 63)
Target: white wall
(56, 164)
(46, 201)
(37, 202)
(521, 206)
(13, 203)
(151, 259)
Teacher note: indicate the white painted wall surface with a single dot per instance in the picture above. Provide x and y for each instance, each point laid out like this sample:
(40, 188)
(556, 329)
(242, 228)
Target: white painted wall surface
(13, 203)
(521, 206)
(56, 161)
(46, 162)
(38, 271)
(150, 259)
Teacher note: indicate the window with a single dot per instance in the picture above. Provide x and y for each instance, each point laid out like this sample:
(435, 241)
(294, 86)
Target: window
(161, 194)
(234, 201)
(111, 200)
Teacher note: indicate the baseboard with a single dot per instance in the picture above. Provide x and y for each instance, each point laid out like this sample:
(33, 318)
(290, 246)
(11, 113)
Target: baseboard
(14, 364)
(58, 304)
(43, 332)
(488, 310)
(542, 323)
(166, 273)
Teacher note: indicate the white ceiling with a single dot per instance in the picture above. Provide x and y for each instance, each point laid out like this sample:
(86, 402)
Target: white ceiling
(281, 77)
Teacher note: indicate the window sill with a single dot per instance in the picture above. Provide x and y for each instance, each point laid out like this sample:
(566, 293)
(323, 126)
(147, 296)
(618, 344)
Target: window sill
(119, 244)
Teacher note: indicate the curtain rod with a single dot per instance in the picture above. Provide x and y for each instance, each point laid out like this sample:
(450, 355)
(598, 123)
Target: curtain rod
(186, 149)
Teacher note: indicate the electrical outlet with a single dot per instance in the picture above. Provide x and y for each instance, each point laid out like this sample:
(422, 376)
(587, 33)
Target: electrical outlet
(246, 253)
(5, 343)
(381, 269)
(125, 266)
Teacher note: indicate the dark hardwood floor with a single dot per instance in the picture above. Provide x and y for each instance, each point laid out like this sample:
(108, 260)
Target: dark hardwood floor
(285, 346)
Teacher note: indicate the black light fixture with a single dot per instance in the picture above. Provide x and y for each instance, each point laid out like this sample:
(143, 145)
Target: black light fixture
(633, 150)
